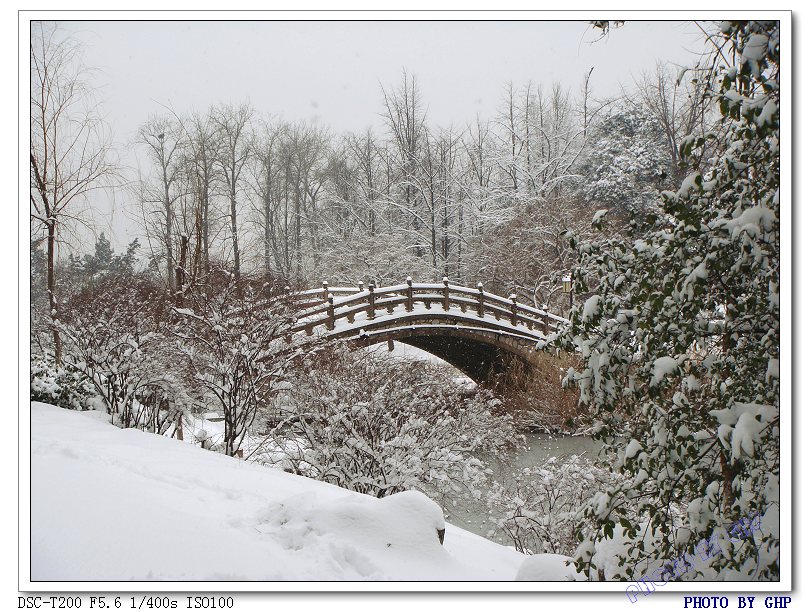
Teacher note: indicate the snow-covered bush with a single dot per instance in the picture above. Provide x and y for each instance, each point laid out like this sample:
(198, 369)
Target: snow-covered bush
(537, 508)
(233, 342)
(59, 386)
(680, 341)
(112, 338)
(372, 424)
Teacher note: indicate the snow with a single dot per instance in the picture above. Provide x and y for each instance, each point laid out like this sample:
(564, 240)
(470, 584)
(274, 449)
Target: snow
(400, 314)
(754, 221)
(663, 367)
(405, 352)
(122, 504)
(548, 567)
(773, 369)
(769, 111)
(632, 449)
(755, 48)
(742, 425)
(690, 183)
(590, 307)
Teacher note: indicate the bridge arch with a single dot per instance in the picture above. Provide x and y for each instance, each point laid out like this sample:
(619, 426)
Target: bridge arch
(482, 334)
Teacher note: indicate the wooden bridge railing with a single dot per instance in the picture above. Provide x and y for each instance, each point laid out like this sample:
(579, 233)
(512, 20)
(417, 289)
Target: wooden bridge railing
(329, 305)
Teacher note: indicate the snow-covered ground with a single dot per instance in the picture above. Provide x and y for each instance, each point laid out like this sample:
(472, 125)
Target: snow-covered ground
(113, 504)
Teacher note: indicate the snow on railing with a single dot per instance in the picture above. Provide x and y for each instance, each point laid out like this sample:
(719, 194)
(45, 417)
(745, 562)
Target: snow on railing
(333, 304)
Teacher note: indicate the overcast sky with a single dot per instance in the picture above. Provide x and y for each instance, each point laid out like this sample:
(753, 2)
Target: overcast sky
(330, 72)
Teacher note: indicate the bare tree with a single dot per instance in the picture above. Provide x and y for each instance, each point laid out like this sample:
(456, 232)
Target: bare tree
(265, 171)
(202, 155)
(233, 130)
(405, 115)
(165, 141)
(71, 151)
(679, 109)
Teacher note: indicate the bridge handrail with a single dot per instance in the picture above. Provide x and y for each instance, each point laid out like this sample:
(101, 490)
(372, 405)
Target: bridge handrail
(351, 293)
(388, 303)
(372, 299)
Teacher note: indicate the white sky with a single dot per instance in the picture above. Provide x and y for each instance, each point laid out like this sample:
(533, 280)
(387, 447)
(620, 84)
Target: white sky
(330, 72)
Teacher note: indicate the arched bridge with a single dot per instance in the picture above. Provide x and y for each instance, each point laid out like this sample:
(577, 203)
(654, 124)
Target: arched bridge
(480, 333)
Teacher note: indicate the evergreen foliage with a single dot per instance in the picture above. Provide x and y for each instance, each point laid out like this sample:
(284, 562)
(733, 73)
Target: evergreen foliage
(680, 342)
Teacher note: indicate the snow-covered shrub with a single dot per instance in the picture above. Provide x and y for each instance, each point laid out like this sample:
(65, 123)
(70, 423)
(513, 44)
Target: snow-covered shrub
(538, 507)
(233, 342)
(379, 426)
(59, 386)
(112, 338)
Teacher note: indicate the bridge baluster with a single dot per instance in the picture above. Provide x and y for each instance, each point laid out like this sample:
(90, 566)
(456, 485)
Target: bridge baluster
(371, 299)
(409, 294)
(480, 300)
(446, 282)
(544, 308)
(325, 290)
(513, 297)
(330, 321)
(361, 284)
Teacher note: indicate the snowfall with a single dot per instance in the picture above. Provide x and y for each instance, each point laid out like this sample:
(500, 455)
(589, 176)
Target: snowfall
(115, 504)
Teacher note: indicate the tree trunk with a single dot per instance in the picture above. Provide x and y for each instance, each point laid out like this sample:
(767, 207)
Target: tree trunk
(57, 340)
(168, 237)
(180, 280)
(236, 269)
(205, 203)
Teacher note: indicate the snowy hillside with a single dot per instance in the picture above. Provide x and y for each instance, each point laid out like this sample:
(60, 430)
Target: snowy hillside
(113, 504)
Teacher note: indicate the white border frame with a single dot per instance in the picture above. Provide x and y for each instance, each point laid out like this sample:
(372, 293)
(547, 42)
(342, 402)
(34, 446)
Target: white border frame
(786, 296)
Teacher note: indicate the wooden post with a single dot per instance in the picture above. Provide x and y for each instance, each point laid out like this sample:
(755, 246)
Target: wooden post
(178, 428)
(325, 290)
(371, 300)
(330, 322)
(361, 285)
(545, 318)
(409, 295)
(446, 282)
(390, 346)
(480, 300)
(513, 297)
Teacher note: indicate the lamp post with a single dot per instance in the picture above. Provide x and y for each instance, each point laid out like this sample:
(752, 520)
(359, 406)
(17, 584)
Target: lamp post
(568, 287)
